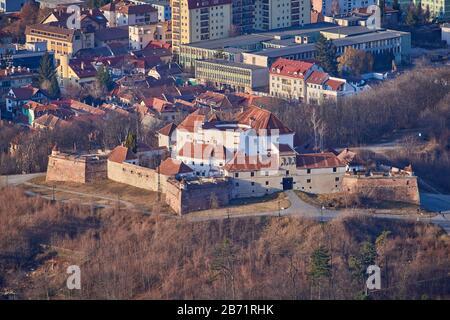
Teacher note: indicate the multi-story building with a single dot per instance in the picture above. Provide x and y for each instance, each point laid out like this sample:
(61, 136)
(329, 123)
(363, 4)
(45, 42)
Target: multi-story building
(276, 14)
(235, 76)
(61, 41)
(75, 72)
(195, 21)
(301, 80)
(140, 36)
(339, 7)
(255, 151)
(288, 78)
(17, 97)
(25, 56)
(243, 16)
(163, 7)
(438, 8)
(377, 42)
(264, 48)
(11, 5)
(125, 13)
(321, 87)
(14, 77)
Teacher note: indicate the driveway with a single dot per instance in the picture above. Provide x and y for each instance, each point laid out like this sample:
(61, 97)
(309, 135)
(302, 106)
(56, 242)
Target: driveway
(17, 179)
(435, 202)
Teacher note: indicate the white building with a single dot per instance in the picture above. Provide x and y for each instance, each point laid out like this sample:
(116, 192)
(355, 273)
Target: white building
(128, 14)
(321, 87)
(338, 7)
(305, 81)
(255, 150)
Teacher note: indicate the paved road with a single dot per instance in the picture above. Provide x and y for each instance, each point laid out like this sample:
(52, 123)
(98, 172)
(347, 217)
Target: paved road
(302, 209)
(20, 178)
(435, 202)
(432, 202)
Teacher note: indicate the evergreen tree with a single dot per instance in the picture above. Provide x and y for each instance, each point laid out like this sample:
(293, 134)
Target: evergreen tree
(54, 90)
(47, 77)
(320, 267)
(46, 69)
(104, 78)
(326, 55)
(411, 18)
(131, 142)
(366, 257)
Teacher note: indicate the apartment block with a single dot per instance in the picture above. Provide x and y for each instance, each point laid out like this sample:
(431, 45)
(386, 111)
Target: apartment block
(339, 7)
(305, 81)
(277, 14)
(288, 78)
(194, 21)
(243, 16)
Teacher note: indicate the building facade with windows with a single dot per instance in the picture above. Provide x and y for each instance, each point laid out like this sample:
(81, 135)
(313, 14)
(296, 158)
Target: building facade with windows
(255, 151)
(234, 76)
(277, 14)
(200, 20)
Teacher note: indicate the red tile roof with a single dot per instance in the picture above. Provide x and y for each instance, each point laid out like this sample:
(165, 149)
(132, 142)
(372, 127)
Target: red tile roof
(318, 160)
(290, 68)
(317, 77)
(38, 107)
(168, 129)
(192, 121)
(334, 84)
(263, 121)
(50, 121)
(83, 68)
(203, 151)
(172, 167)
(242, 162)
(24, 93)
(120, 153)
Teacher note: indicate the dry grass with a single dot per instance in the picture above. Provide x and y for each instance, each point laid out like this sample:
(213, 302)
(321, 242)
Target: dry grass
(102, 193)
(248, 206)
(344, 201)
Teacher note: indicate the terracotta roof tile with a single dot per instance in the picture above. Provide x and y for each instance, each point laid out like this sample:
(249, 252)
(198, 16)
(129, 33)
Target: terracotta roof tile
(263, 121)
(245, 163)
(172, 167)
(290, 68)
(168, 129)
(120, 153)
(203, 151)
(317, 77)
(318, 160)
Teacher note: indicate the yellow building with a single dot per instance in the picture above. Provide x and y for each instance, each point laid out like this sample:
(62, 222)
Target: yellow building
(194, 20)
(75, 72)
(61, 41)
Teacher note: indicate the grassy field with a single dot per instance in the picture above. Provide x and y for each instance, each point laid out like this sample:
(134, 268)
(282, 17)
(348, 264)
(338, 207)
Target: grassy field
(107, 193)
(101, 193)
(269, 203)
(338, 201)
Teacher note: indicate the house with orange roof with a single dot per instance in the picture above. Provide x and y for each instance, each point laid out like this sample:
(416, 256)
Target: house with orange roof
(287, 78)
(321, 87)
